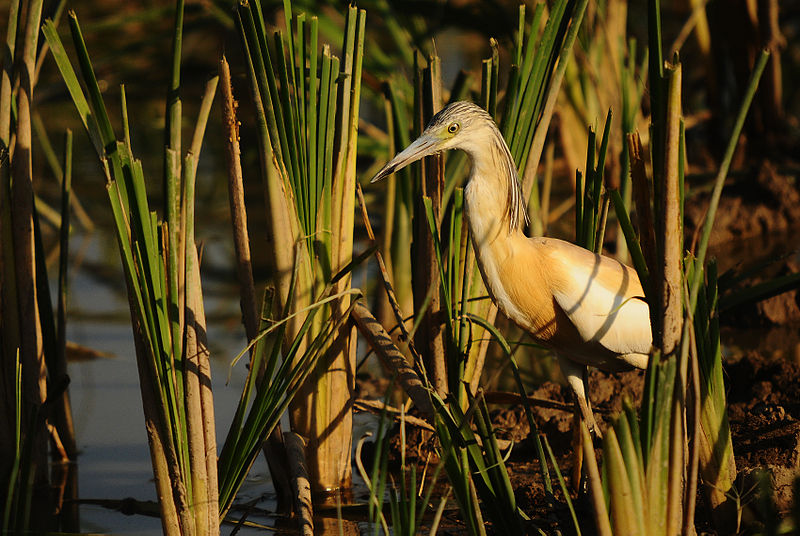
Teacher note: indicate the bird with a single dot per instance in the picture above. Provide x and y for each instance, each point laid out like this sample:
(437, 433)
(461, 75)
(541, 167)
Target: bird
(588, 309)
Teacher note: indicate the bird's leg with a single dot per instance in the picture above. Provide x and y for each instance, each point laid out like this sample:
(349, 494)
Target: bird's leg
(593, 424)
(576, 375)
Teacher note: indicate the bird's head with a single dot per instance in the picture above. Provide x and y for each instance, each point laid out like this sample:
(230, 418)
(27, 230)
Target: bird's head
(459, 125)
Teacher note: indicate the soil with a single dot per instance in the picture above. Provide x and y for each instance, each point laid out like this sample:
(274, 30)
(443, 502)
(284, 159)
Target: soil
(764, 413)
(763, 202)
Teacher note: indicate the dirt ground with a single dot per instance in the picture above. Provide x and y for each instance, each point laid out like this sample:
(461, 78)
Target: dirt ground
(764, 412)
(764, 201)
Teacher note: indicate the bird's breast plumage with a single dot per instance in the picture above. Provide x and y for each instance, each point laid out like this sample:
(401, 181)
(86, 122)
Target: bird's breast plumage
(584, 306)
(587, 307)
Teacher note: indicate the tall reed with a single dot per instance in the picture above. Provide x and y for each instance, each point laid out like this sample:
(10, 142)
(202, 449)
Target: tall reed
(161, 266)
(307, 107)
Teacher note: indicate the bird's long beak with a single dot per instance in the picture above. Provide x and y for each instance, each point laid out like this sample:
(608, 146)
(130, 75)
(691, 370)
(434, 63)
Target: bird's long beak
(425, 145)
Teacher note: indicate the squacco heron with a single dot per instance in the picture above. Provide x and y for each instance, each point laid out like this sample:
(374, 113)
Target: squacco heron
(589, 309)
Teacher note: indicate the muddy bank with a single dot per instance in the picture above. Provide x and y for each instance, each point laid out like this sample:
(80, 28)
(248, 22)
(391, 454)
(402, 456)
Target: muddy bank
(764, 410)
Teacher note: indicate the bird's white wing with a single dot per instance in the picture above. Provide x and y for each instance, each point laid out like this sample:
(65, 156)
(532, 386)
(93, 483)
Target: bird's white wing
(602, 298)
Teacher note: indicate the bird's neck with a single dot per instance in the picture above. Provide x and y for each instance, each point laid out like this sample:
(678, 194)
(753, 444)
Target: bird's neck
(495, 241)
(493, 197)
(491, 233)
(495, 244)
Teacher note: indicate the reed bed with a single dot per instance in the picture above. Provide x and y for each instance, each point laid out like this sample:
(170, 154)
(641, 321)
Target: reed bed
(427, 315)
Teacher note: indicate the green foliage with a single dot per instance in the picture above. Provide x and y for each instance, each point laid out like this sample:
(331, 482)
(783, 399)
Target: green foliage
(712, 434)
(299, 93)
(463, 459)
(637, 460)
(307, 109)
(16, 510)
(589, 194)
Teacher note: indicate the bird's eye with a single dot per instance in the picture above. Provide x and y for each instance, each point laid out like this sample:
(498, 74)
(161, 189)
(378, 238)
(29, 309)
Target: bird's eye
(453, 128)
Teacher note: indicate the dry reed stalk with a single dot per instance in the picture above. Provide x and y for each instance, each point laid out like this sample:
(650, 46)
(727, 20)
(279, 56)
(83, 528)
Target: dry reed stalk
(404, 336)
(772, 91)
(475, 353)
(5, 76)
(322, 411)
(194, 422)
(509, 398)
(480, 355)
(384, 347)
(273, 447)
(282, 232)
(198, 326)
(595, 485)
(172, 356)
(154, 425)
(40, 132)
(670, 317)
(301, 489)
(241, 242)
(9, 322)
(429, 338)
(31, 350)
(398, 414)
(696, 24)
(386, 308)
(195, 352)
(694, 405)
(547, 186)
(203, 442)
(702, 31)
(62, 412)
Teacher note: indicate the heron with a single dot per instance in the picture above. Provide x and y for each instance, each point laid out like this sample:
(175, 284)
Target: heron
(587, 308)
